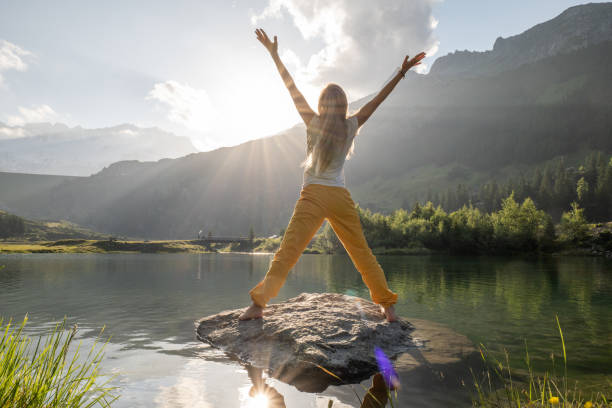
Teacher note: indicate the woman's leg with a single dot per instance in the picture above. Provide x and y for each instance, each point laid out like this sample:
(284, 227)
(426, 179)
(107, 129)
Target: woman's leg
(307, 218)
(345, 221)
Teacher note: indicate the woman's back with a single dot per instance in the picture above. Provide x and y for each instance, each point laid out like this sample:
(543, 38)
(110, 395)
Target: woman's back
(333, 174)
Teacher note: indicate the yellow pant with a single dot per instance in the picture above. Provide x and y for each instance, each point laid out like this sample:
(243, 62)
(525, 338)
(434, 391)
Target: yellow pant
(318, 202)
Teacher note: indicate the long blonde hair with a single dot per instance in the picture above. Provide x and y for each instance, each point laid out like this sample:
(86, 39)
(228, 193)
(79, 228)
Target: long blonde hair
(331, 129)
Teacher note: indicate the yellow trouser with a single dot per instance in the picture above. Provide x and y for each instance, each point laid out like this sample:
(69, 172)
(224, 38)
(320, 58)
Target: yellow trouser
(316, 203)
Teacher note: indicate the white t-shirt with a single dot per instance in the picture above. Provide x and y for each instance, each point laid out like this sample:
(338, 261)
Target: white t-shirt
(334, 173)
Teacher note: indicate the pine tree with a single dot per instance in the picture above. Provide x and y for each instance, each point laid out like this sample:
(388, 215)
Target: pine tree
(582, 189)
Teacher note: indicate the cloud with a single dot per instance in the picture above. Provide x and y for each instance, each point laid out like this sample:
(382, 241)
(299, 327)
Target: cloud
(35, 114)
(11, 132)
(363, 40)
(127, 132)
(185, 105)
(12, 57)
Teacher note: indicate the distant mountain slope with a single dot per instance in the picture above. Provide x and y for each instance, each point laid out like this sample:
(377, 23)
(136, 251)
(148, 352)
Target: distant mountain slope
(17, 188)
(576, 28)
(59, 149)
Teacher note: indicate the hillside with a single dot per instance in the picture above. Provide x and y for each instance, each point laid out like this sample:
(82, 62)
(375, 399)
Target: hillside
(59, 149)
(13, 227)
(576, 28)
(433, 132)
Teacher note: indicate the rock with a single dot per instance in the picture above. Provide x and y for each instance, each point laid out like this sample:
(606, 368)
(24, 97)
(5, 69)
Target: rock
(334, 331)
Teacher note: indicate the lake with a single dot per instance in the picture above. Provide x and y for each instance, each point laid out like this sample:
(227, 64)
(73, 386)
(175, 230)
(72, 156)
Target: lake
(148, 304)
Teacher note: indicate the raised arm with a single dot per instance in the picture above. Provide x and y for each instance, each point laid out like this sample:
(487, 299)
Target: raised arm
(298, 99)
(368, 109)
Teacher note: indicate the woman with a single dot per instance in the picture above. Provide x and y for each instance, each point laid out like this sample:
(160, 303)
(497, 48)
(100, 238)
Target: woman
(330, 135)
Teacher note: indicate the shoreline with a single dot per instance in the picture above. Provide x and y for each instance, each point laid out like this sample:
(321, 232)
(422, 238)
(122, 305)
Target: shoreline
(87, 246)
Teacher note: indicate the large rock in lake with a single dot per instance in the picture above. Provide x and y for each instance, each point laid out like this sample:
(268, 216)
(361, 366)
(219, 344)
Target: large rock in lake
(333, 331)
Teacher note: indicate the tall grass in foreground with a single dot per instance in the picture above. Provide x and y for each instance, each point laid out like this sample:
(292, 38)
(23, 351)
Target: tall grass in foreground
(518, 391)
(42, 374)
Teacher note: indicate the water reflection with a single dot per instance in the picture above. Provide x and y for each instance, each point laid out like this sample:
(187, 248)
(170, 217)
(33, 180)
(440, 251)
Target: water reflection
(148, 304)
(261, 394)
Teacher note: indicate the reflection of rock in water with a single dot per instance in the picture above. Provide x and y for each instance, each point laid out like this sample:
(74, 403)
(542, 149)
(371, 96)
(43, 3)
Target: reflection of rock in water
(335, 331)
(435, 374)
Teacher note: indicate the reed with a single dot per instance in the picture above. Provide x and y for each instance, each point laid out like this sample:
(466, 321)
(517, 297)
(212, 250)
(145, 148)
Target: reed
(502, 386)
(49, 372)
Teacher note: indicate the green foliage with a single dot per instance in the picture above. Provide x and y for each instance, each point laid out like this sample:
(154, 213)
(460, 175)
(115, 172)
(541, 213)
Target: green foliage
(11, 225)
(582, 189)
(45, 375)
(521, 227)
(574, 227)
(266, 244)
(514, 228)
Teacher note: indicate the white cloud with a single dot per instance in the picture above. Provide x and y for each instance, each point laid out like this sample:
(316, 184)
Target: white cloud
(186, 106)
(11, 132)
(127, 132)
(12, 57)
(35, 114)
(363, 39)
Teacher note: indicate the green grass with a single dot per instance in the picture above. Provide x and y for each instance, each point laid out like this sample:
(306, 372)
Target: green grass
(102, 246)
(502, 386)
(50, 372)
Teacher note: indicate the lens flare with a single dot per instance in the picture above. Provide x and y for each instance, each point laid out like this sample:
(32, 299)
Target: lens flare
(386, 369)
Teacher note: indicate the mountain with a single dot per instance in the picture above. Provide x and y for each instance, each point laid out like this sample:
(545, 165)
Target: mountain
(576, 28)
(58, 149)
(433, 132)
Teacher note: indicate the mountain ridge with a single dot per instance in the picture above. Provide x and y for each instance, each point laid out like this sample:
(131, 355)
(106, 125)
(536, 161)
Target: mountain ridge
(43, 147)
(575, 28)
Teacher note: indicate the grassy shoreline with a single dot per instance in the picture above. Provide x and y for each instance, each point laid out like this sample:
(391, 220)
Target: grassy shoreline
(100, 246)
(261, 246)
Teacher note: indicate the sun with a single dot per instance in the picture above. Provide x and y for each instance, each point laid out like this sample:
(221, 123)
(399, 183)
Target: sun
(258, 401)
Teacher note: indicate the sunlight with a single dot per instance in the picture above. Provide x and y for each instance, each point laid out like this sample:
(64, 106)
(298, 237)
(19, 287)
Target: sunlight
(255, 106)
(258, 401)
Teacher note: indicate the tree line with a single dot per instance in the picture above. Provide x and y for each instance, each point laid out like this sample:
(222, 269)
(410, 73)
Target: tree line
(552, 187)
(11, 225)
(515, 227)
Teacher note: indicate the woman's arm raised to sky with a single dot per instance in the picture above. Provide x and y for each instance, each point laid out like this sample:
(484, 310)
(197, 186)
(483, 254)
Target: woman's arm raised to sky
(298, 99)
(368, 109)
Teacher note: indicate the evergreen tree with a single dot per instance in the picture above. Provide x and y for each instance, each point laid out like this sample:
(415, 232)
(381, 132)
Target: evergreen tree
(582, 189)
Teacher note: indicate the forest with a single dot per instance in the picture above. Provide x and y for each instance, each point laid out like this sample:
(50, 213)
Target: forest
(517, 227)
(552, 187)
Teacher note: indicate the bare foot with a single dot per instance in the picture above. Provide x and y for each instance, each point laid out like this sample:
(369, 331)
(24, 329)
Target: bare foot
(252, 312)
(389, 313)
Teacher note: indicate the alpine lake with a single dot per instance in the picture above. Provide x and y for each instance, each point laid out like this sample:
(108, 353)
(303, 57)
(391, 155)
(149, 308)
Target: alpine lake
(147, 304)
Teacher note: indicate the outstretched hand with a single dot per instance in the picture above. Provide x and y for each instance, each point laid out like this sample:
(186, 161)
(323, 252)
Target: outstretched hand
(262, 37)
(407, 64)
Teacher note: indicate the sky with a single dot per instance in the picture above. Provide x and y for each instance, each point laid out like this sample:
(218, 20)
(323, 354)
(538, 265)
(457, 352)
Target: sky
(194, 67)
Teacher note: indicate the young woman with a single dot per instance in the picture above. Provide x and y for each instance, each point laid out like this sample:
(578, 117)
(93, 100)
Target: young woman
(329, 139)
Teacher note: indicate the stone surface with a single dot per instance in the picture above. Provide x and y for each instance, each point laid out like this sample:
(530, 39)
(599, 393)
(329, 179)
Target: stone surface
(334, 331)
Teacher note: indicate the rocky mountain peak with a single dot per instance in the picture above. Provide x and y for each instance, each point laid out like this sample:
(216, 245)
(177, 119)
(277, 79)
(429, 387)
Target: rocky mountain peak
(577, 27)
